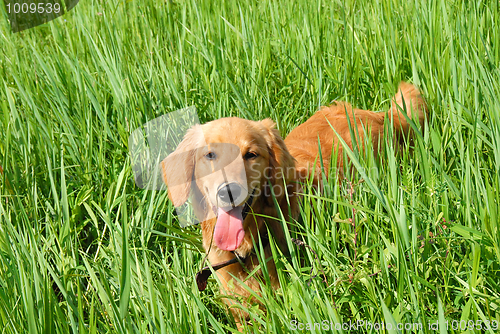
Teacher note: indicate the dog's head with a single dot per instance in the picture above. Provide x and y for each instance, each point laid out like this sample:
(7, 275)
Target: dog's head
(227, 166)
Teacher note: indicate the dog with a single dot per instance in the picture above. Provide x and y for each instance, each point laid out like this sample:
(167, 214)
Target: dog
(237, 203)
(234, 202)
(302, 142)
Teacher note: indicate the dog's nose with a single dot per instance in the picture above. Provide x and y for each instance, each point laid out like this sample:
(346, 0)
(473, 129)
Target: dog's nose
(229, 192)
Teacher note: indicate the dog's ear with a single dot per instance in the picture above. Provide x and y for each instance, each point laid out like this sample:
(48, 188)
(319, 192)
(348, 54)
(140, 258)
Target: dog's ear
(178, 167)
(282, 166)
(281, 161)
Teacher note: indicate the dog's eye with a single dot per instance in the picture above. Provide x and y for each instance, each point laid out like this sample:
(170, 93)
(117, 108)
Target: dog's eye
(210, 156)
(250, 155)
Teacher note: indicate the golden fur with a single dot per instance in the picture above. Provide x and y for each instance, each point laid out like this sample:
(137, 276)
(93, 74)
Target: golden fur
(270, 165)
(302, 142)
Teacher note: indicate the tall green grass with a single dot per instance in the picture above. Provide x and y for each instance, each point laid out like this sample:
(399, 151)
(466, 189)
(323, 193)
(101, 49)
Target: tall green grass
(411, 239)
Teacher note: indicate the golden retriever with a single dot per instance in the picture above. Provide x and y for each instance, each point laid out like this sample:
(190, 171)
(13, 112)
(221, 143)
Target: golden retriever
(234, 202)
(302, 142)
(231, 205)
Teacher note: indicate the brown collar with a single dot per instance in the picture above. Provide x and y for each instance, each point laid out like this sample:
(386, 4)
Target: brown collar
(203, 275)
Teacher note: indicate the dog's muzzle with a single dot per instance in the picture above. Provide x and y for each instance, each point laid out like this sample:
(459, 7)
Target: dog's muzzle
(203, 275)
(230, 191)
(228, 194)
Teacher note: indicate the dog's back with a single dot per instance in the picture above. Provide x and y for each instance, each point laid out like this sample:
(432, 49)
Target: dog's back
(304, 140)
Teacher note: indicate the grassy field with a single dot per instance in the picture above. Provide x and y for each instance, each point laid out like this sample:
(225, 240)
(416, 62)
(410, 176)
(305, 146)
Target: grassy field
(82, 249)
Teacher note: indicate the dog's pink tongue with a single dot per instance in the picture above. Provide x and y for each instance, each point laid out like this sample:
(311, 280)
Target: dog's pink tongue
(229, 233)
